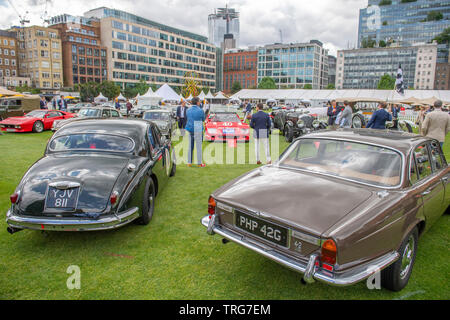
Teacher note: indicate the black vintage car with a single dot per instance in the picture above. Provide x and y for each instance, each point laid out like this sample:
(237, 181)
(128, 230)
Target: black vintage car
(94, 175)
(293, 124)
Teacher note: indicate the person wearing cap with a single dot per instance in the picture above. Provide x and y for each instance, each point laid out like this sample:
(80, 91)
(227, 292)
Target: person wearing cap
(379, 117)
(436, 124)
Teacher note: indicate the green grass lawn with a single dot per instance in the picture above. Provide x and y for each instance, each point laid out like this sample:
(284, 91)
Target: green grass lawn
(173, 257)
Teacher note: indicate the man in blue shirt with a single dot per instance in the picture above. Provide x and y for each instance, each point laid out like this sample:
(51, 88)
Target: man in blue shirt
(195, 118)
(248, 110)
(379, 117)
(261, 124)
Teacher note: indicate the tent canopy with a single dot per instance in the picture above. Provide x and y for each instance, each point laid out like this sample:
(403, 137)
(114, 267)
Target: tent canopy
(167, 93)
(209, 96)
(100, 98)
(150, 98)
(6, 92)
(121, 98)
(220, 96)
(202, 95)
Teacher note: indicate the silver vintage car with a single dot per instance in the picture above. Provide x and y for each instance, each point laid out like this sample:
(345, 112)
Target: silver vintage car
(163, 119)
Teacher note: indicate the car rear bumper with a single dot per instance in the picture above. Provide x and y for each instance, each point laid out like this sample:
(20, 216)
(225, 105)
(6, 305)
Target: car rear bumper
(209, 137)
(72, 224)
(310, 270)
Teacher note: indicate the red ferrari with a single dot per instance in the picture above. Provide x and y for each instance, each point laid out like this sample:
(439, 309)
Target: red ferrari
(223, 126)
(34, 121)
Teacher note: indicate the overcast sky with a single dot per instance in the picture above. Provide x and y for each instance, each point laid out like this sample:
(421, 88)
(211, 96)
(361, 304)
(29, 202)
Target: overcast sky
(334, 22)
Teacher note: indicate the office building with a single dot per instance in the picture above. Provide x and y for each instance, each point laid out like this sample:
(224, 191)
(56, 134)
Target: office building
(40, 57)
(294, 65)
(84, 59)
(404, 22)
(240, 66)
(224, 24)
(332, 70)
(139, 48)
(8, 56)
(363, 68)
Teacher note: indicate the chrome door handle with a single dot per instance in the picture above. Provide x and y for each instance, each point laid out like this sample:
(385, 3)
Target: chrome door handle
(426, 192)
(445, 179)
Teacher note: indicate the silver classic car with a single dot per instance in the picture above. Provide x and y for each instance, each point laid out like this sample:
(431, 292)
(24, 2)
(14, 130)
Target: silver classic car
(163, 119)
(339, 206)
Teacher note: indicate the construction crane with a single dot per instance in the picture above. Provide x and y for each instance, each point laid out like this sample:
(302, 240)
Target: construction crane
(45, 16)
(23, 19)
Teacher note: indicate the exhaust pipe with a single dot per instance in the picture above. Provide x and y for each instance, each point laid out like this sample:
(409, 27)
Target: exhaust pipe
(12, 230)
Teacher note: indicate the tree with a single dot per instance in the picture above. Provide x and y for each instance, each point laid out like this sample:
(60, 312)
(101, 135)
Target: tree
(88, 91)
(386, 82)
(140, 88)
(26, 88)
(109, 89)
(307, 86)
(236, 87)
(331, 86)
(368, 43)
(434, 16)
(382, 44)
(443, 37)
(267, 83)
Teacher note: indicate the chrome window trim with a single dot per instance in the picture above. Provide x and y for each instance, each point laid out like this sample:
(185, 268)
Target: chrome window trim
(286, 153)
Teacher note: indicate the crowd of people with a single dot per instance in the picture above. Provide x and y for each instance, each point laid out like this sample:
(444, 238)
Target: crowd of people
(432, 122)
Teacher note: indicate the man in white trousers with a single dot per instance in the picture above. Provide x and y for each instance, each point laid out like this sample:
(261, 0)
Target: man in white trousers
(261, 124)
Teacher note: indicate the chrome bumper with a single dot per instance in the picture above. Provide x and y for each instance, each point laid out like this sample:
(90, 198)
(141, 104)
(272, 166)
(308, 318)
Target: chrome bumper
(72, 224)
(309, 270)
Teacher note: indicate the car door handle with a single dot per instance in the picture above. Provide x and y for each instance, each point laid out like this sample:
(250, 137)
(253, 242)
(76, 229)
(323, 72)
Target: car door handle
(445, 179)
(426, 192)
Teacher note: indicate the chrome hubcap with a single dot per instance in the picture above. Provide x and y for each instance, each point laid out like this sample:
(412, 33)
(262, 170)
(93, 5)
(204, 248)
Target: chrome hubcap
(357, 123)
(407, 257)
(38, 126)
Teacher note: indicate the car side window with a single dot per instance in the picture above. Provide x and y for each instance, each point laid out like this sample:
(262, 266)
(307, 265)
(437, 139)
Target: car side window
(423, 162)
(106, 113)
(413, 176)
(52, 114)
(114, 114)
(157, 136)
(437, 157)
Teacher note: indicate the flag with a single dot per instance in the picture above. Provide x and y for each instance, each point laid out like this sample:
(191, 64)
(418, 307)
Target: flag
(399, 86)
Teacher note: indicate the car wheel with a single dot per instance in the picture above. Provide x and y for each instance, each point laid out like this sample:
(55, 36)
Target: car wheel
(358, 121)
(288, 133)
(38, 127)
(148, 205)
(174, 164)
(405, 127)
(396, 276)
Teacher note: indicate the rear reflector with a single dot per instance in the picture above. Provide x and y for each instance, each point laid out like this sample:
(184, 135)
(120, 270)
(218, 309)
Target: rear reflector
(211, 205)
(14, 197)
(113, 198)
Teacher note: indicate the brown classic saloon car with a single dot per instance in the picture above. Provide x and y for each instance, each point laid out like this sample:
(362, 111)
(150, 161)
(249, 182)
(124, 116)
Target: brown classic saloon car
(338, 206)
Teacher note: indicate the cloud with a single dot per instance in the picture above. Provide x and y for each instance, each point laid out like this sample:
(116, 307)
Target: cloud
(334, 22)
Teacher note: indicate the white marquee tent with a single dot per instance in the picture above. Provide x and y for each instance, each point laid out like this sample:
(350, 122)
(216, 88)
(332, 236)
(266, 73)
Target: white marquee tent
(150, 98)
(100, 98)
(121, 98)
(167, 93)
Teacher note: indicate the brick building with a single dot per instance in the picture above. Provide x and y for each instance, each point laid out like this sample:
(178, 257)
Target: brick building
(8, 56)
(84, 59)
(240, 66)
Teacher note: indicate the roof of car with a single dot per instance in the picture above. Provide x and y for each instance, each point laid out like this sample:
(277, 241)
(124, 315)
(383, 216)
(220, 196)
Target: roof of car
(134, 129)
(158, 110)
(399, 140)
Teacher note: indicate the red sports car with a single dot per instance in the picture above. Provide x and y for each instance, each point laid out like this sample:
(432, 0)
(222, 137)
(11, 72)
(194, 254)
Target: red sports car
(34, 121)
(223, 126)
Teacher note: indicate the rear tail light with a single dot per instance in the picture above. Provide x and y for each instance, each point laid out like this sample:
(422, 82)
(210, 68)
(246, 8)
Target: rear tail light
(14, 197)
(113, 198)
(329, 252)
(211, 206)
